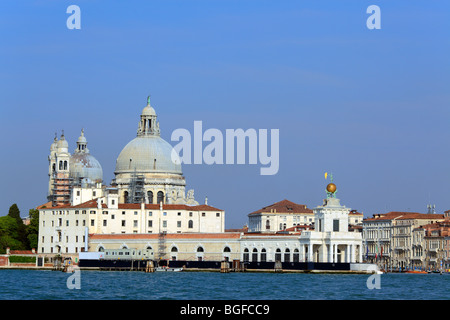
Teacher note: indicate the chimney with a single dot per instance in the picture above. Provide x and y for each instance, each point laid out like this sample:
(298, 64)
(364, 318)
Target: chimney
(206, 200)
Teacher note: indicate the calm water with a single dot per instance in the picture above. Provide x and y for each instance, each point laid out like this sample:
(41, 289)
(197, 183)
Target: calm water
(96, 285)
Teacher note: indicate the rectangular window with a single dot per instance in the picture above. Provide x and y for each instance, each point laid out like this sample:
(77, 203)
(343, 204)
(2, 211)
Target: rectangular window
(179, 213)
(164, 224)
(84, 223)
(150, 213)
(336, 225)
(135, 213)
(67, 223)
(150, 223)
(92, 222)
(123, 223)
(76, 223)
(203, 214)
(164, 213)
(104, 223)
(190, 214)
(113, 216)
(218, 214)
(123, 212)
(178, 224)
(135, 223)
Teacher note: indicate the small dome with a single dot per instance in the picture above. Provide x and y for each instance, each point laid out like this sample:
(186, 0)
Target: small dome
(148, 111)
(84, 165)
(62, 143)
(82, 138)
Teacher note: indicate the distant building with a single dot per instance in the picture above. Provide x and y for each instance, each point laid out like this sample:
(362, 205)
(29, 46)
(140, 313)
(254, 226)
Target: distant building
(280, 216)
(396, 239)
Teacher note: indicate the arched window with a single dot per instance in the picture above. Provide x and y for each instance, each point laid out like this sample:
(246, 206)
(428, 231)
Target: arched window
(150, 196)
(246, 255)
(255, 255)
(227, 249)
(65, 165)
(174, 249)
(190, 224)
(60, 165)
(278, 255)
(263, 255)
(160, 197)
(200, 249)
(296, 255)
(125, 197)
(54, 167)
(101, 249)
(287, 255)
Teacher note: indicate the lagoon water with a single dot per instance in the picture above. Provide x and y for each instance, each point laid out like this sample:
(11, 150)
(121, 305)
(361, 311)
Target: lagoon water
(110, 285)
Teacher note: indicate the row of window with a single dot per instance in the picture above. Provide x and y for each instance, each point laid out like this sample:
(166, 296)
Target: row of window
(150, 213)
(59, 238)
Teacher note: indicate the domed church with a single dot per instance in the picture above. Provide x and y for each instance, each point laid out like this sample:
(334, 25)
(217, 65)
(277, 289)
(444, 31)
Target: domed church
(147, 169)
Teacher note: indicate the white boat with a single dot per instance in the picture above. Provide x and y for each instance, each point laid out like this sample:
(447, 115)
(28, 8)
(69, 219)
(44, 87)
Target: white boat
(167, 269)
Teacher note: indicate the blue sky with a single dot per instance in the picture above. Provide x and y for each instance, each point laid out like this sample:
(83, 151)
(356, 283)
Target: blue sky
(371, 106)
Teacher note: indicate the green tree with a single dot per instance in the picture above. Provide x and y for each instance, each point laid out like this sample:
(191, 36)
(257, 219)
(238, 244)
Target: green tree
(21, 229)
(33, 228)
(9, 234)
(14, 212)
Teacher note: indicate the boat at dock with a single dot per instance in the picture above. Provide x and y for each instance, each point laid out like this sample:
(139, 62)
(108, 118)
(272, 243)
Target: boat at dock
(416, 271)
(168, 269)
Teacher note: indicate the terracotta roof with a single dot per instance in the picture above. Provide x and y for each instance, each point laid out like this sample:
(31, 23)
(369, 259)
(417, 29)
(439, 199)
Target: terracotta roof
(45, 205)
(136, 206)
(127, 236)
(405, 215)
(284, 206)
(421, 216)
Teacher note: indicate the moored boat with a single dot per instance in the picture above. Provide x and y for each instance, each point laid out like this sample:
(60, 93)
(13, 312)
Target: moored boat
(168, 269)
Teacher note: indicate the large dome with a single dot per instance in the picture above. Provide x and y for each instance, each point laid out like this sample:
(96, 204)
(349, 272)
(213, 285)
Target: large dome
(148, 154)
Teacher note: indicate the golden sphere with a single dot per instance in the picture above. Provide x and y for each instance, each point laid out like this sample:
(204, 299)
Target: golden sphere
(331, 187)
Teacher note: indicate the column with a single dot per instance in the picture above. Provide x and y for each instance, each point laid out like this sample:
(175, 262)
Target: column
(347, 253)
(335, 253)
(310, 253)
(330, 253)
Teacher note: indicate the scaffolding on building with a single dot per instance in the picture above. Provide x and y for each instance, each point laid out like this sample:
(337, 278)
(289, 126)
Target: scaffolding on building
(62, 189)
(137, 194)
(162, 245)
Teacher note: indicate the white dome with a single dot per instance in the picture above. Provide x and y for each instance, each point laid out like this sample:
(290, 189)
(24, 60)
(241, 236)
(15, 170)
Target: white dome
(148, 154)
(84, 165)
